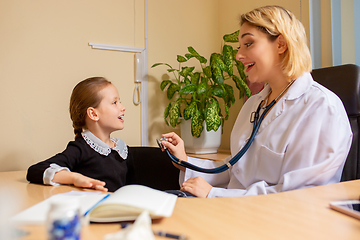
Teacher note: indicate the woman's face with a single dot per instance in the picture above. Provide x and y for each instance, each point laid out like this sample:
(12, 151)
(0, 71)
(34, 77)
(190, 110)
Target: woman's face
(260, 56)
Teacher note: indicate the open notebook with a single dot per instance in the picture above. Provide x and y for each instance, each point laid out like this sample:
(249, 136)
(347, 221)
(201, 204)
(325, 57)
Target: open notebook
(124, 204)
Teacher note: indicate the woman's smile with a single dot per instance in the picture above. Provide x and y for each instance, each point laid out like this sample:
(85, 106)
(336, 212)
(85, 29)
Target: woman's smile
(248, 66)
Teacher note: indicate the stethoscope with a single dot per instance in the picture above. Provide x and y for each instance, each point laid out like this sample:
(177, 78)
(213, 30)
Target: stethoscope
(254, 118)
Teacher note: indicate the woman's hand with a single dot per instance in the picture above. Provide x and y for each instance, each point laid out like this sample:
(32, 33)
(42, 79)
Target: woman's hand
(176, 147)
(79, 180)
(197, 186)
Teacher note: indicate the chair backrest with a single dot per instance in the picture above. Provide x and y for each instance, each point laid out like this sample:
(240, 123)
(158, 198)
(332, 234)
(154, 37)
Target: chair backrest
(152, 168)
(344, 81)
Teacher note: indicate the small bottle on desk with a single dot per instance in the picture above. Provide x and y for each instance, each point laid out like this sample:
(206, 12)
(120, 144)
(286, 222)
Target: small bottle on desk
(64, 220)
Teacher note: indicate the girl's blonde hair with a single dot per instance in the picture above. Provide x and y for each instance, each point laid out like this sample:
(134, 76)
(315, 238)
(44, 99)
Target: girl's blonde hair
(84, 95)
(275, 21)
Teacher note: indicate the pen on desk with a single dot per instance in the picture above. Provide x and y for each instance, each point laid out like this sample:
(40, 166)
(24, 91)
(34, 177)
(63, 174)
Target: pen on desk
(106, 196)
(170, 235)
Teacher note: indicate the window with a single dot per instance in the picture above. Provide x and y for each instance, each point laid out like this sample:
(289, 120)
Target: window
(344, 27)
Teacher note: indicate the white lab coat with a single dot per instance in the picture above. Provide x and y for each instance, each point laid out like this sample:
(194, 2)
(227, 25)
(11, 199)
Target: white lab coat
(303, 141)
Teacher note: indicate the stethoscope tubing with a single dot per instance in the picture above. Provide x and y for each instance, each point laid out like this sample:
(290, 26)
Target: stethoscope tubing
(236, 158)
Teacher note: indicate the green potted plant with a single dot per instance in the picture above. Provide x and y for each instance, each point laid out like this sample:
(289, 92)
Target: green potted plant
(195, 95)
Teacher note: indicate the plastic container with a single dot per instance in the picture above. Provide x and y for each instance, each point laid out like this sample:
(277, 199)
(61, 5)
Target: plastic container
(64, 220)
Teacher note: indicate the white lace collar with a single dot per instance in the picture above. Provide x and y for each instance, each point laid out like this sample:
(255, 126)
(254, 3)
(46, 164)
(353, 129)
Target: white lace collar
(104, 149)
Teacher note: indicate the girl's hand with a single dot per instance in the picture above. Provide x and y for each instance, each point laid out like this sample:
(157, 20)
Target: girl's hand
(197, 186)
(176, 146)
(86, 182)
(78, 180)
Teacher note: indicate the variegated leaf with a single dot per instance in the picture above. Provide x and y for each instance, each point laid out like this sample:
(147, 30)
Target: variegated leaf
(173, 88)
(202, 87)
(174, 113)
(164, 83)
(233, 37)
(228, 58)
(189, 111)
(197, 124)
(212, 117)
(188, 89)
(180, 58)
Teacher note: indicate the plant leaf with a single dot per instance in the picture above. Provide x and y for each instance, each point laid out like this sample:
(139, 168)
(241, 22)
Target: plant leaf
(180, 59)
(230, 94)
(213, 56)
(220, 63)
(207, 71)
(173, 88)
(185, 71)
(195, 78)
(202, 87)
(240, 67)
(241, 85)
(227, 112)
(217, 74)
(246, 88)
(232, 37)
(201, 59)
(193, 51)
(164, 83)
(204, 79)
(212, 117)
(237, 80)
(174, 113)
(197, 124)
(157, 64)
(219, 91)
(228, 58)
(166, 113)
(189, 55)
(189, 111)
(188, 89)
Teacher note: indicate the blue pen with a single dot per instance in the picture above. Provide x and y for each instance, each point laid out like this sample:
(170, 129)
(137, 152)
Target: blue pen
(108, 195)
(170, 235)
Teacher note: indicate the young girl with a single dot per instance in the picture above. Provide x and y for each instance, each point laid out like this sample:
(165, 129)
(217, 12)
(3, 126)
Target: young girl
(93, 160)
(304, 138)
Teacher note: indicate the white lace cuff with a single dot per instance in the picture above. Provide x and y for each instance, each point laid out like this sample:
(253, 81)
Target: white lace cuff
(50, 172)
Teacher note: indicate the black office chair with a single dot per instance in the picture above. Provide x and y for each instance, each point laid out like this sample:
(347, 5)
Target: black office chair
(344, 81)
(153, 168)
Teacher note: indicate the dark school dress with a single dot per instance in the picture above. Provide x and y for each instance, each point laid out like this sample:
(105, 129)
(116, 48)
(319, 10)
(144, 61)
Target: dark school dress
(89, 159)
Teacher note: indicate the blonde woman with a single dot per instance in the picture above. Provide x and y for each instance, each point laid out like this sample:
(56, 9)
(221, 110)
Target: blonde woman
(304, 138)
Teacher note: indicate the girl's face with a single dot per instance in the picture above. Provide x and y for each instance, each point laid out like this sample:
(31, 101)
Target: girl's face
(259, 55)
(110, 110)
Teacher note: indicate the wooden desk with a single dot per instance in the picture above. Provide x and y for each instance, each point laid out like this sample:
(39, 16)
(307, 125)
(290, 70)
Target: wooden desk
(301, 214)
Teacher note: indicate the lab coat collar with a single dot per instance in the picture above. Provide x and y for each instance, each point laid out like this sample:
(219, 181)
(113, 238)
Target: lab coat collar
(104, 149)
(298, 88)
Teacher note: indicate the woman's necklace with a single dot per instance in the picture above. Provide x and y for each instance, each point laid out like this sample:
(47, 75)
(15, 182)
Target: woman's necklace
(255, 115)
(276, 99)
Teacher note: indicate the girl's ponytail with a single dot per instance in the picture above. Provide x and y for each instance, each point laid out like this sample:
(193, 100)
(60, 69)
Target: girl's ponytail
(77, 132)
